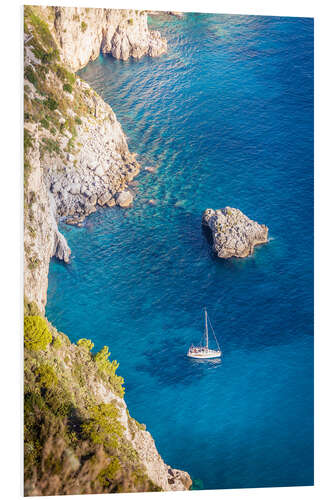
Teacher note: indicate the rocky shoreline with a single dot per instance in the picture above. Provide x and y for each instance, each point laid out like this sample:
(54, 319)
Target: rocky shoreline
(76, 153)
(234, 234)
(76, 158)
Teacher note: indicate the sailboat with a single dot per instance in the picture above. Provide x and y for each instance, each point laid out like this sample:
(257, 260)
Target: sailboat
(204, 352)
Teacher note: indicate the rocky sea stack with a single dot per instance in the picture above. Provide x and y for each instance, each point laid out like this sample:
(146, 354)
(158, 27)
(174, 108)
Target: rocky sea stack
(234, 234)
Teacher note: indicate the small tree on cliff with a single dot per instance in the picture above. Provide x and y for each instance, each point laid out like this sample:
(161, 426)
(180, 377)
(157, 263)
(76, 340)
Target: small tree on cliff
(108, 368)
(37, 335)
(86, 344)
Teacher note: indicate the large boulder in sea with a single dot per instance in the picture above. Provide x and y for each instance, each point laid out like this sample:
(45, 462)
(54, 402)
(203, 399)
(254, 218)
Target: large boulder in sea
(234, 234)
(124, 199)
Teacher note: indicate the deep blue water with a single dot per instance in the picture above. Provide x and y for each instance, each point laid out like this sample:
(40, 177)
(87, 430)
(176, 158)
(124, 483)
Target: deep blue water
(227, 116)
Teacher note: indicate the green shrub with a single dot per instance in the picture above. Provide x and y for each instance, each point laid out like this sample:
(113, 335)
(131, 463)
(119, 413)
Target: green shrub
(41, 28)
(30, 308)
(33, 263)
(32, 231)
(103, 363)
(56, 344)
(44, 123)
(53, 465)
(58, 401)
(84, 26)
(50, 145)
(46, 376)
(28, 142)
(36, 333)
(51, 103)
(78, 373)
(103, 426)
(109, 369)
(130, 21)
(65, 75)
(68, 88)
(45, 56)
(86, 344)
(106, 475)
(30, 75)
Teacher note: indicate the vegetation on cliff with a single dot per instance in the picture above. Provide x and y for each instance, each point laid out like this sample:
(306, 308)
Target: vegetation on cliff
(53, 107)
(78, 434)
(75, 441)
(52, 100)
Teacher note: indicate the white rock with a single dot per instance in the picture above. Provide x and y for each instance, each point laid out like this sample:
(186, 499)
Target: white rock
(75, 188)
(124, 199)
(102, 200)
(99, 171)
(56, 187)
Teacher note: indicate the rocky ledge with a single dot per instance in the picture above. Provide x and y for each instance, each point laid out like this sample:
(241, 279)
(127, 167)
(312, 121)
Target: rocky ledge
(234, 234)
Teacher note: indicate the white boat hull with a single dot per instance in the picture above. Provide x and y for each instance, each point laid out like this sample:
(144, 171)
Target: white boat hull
(204, 355)
(203, 351)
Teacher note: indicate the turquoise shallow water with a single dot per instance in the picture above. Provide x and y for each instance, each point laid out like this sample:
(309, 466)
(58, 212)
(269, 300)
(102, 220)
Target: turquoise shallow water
(227, 116)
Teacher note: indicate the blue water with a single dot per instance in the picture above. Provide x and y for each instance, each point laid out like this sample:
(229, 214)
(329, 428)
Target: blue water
(227, 116)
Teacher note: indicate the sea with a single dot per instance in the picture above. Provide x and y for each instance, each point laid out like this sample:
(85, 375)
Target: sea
(226, 119)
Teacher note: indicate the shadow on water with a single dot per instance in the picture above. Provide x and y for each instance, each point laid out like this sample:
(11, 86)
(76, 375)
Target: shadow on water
(207, 233)
(170, 365)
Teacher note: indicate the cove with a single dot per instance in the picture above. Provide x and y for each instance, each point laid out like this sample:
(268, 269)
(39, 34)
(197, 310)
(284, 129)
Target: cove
(227, 117)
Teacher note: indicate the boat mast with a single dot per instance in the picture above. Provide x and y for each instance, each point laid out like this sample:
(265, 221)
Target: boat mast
(206, 328)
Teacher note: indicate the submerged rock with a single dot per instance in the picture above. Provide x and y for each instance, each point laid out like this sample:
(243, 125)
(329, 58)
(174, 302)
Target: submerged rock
(152, 170)
(234, 234)
(72, 221)
(124, 199)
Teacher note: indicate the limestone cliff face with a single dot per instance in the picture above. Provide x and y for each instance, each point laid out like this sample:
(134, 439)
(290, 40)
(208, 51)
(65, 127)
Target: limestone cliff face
(76, 157)
(76, 152)
(39, 235)
(69, 396)
(83, 33)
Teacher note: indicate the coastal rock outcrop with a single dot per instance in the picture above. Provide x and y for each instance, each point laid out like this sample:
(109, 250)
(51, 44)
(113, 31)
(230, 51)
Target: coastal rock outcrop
(234, 234)
(124, 199)
(64, 432)
(75, 151)
(83, 33)
(75, 156)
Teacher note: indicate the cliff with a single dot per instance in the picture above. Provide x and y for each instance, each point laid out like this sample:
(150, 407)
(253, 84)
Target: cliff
(76, 157)
(79, 435)
(84, 33)
(76, 154)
